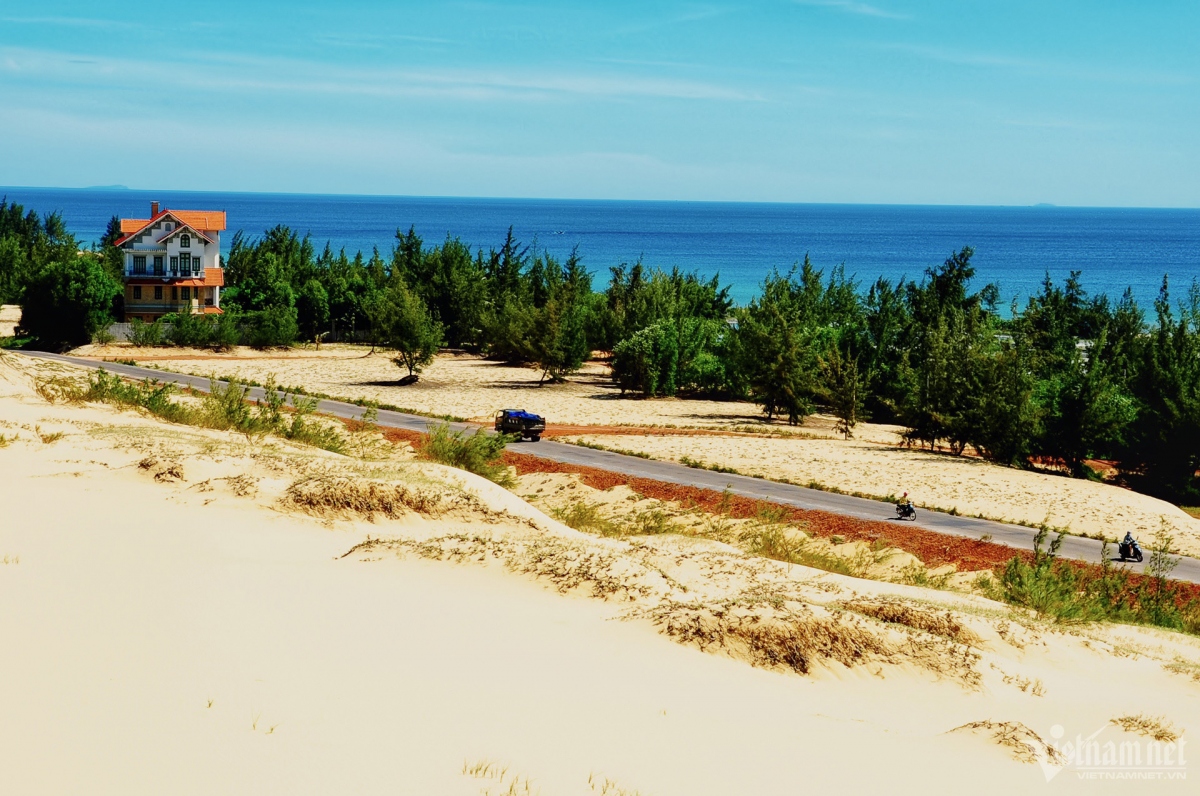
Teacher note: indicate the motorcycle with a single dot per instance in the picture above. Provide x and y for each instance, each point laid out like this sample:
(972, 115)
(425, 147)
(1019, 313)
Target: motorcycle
(905, 511)
(1130, 550)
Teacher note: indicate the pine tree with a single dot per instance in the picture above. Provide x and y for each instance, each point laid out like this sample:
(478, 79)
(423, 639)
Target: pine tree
(842, 389)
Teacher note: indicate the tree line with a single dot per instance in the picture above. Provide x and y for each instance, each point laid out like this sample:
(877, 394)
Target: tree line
(1066, 379)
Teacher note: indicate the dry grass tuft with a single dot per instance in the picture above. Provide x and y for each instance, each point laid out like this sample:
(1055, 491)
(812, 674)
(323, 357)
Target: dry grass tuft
(586, 517)
(607, 787)
(244, 485)
(323, 495)
(589, 518)
(503, 782)
(47, 438)
(1152, 727)
(797, 641)
(776, 543)
(896, 612)
(59, 389)
(163, 472)
(1184, 667)
(1025, 745)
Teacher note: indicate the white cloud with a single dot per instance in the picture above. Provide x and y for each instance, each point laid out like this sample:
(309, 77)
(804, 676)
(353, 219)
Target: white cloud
(72, 22)
(851, 7)
(238, 73)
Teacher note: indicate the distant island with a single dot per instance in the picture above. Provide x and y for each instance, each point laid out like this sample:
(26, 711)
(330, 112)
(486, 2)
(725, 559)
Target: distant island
(107, 188)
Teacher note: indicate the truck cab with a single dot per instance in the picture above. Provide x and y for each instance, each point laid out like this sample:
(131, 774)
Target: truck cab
(521, 423)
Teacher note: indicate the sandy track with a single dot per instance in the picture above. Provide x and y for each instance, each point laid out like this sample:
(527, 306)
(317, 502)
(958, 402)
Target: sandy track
(10, 315)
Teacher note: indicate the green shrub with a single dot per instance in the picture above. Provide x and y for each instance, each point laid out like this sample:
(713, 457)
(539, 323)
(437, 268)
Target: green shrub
(1069, 592)
(66, 302)
(479, 453)
(146, 335)
(274, 327)
(647, 361)
(192, 330)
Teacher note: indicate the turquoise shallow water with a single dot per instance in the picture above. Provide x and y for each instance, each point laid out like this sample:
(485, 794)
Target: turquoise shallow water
(1015, 246)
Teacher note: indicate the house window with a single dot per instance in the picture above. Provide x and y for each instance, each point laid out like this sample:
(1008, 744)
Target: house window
(139, 263)
(158, 292)
(185, 262)
(174, 294)
(185, 241)
(158, 265)
(174, 265)
(196, 265)
(185, 294)
(137, 292)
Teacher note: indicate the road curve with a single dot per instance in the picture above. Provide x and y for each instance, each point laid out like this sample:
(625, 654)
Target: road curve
(1015, 536)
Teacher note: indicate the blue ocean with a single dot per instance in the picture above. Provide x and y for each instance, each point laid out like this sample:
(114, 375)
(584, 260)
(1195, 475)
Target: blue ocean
(1014, 246)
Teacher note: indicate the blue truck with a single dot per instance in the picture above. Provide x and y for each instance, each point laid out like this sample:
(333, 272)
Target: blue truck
(521, 423)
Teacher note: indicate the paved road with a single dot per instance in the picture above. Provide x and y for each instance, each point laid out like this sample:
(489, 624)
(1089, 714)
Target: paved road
(1016, 536)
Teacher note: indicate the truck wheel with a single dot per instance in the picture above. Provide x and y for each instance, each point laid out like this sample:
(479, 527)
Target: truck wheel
(535, 437)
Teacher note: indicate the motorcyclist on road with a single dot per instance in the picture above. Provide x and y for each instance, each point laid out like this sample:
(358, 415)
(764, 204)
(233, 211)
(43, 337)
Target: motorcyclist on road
(1128, 540)
(904, 501)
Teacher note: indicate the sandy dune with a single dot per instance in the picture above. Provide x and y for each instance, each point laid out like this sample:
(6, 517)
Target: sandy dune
(182, 615)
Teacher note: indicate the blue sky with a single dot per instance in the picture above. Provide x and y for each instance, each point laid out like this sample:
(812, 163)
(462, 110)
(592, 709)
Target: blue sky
(890, 101)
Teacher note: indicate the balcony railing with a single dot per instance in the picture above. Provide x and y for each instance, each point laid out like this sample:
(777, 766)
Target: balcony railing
(163, 272)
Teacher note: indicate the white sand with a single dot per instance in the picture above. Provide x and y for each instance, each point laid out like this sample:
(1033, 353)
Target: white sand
(969, 485)
(10, 315)
(171, 636)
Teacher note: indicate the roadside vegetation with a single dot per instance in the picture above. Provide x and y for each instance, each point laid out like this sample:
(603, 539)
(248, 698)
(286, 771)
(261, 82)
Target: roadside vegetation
(227, 408)
(1062, 382)
(478, 452)
(1067, 592)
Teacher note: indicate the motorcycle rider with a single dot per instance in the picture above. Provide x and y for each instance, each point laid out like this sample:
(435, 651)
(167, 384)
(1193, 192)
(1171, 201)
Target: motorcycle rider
(905, 506)
(1127, 544)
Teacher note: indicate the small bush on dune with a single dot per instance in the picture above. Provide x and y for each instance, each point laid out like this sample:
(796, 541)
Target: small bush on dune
(586, 517)
(478, 453)
(225, 407)
(146, 335)
(151, 395)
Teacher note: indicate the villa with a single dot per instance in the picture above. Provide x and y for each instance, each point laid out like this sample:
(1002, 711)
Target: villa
(172, 262)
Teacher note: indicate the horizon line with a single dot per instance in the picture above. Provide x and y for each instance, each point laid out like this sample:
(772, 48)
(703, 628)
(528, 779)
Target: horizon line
(1032, 206)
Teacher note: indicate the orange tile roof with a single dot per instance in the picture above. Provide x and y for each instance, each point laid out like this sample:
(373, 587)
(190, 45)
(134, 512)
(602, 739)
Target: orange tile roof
(203, 220)
(200, 220)
(214, 277)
